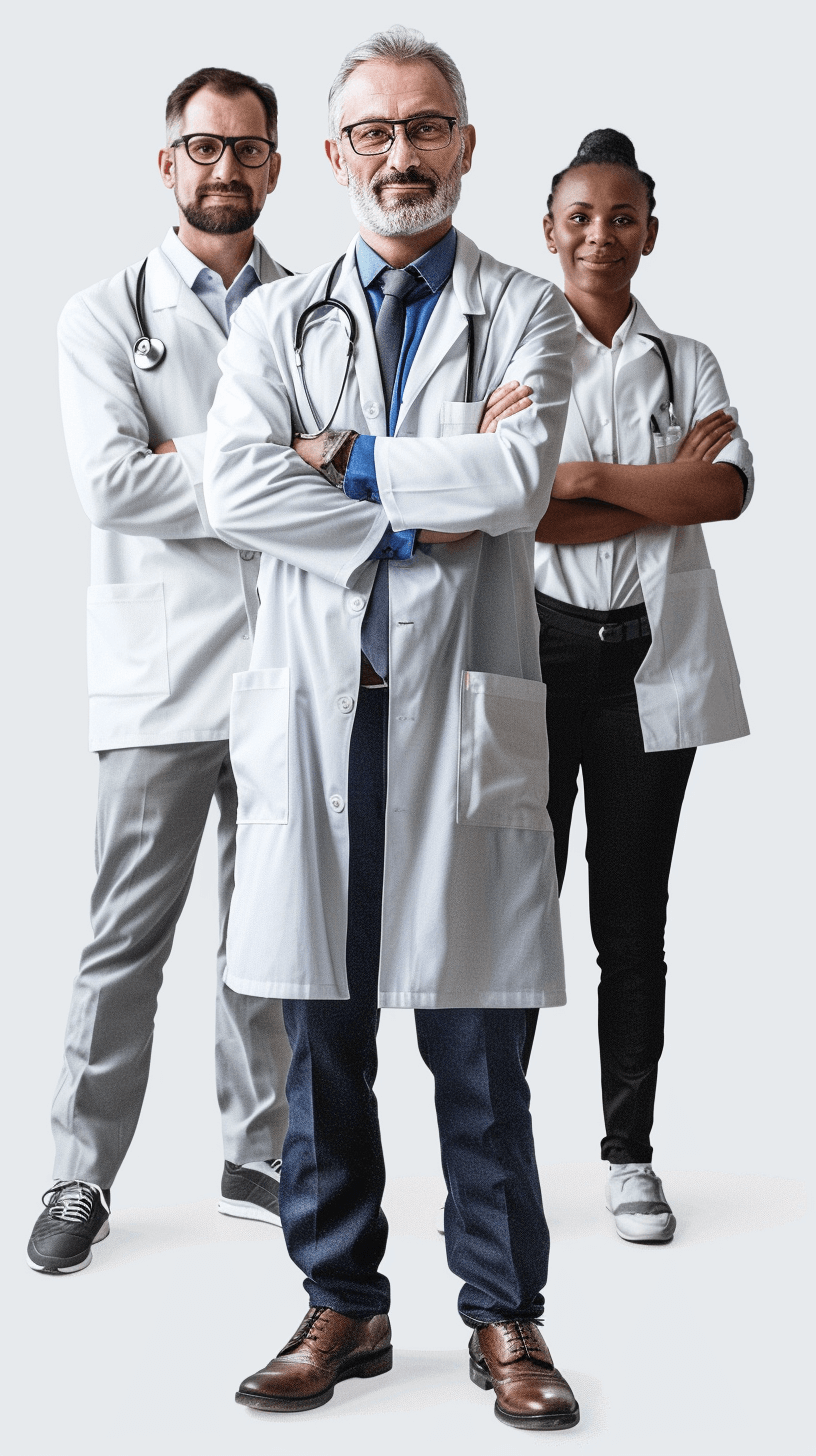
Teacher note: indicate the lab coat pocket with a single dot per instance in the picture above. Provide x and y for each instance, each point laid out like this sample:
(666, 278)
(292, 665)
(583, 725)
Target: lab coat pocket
(503, 780)
(127, 640)
(458, 417)
(699, 654)
(259, 744)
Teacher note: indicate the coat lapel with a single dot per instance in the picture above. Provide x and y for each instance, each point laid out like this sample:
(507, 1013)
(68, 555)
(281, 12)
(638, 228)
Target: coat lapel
(165, 289)
(462, 296)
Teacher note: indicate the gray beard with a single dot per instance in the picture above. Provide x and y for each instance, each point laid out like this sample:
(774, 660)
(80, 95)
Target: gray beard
(404, 219)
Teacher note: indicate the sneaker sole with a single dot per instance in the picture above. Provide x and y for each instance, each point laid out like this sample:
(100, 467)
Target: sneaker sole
(235, 1209)
(664, 1238)
(365, 1369)
(71, 1268)
(558, 1421)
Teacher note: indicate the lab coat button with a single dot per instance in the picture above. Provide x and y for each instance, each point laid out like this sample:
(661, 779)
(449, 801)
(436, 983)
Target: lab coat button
(356, 604)
(338, 804)
(247, 555)
(372, 409)
(345, 704)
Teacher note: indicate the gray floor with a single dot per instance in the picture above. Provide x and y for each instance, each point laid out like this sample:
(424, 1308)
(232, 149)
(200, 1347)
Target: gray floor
(693, 1347)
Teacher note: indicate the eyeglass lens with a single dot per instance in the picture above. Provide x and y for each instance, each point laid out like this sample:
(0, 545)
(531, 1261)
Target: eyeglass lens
(426, 133)
(250, 151)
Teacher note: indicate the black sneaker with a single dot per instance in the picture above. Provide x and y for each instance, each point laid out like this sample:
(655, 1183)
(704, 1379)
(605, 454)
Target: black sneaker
(248, 1193)
(75, 1217)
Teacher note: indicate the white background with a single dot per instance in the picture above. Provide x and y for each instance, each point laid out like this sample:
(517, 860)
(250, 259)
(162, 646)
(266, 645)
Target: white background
(664, 1346)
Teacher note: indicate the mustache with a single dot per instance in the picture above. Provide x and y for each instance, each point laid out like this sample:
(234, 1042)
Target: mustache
(393, 178)
(223, 189)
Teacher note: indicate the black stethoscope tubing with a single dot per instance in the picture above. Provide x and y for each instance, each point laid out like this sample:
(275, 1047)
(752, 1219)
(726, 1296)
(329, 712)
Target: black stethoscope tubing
(658, 342)
(147, 353)
(329, 301)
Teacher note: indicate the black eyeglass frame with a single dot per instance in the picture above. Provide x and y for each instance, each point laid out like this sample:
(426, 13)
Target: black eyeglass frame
(184, 141)
(409, 120)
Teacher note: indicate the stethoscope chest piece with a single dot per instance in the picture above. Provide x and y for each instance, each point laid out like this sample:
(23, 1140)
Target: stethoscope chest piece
(147, 353)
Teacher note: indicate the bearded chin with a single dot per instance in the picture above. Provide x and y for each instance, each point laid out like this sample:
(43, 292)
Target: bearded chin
(221, 220)
(404, 219)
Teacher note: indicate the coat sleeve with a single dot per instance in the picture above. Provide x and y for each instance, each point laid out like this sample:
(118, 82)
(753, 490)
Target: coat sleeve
(123, 486)
(259, 493)
(710, 394)
(492, 483)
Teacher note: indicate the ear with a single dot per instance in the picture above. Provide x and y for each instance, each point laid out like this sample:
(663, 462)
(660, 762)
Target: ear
(337, 161)
(274, 172)
(549, 236)
(469, 139)
(651, 236)
(167, 166)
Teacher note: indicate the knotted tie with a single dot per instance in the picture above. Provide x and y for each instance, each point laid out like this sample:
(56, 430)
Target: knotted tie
(396, 284)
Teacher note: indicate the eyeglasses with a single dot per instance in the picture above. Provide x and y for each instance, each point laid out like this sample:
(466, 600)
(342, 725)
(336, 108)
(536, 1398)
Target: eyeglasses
(205, 149)
(426, 133)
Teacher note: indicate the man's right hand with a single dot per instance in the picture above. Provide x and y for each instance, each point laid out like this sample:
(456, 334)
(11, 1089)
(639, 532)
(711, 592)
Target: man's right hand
(505, 401)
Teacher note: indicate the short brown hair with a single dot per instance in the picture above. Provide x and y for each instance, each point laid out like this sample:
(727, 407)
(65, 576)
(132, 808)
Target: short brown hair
(226, 83)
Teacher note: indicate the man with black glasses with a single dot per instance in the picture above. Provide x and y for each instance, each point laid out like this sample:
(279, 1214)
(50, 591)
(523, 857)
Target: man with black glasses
(171, 611)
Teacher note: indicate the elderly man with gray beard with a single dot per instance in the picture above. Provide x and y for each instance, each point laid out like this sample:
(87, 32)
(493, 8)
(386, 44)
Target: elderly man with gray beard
(389, 738)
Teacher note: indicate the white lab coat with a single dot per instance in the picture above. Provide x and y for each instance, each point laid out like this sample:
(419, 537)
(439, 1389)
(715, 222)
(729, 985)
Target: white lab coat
(168, 603)
(688, 685)
(470, 909)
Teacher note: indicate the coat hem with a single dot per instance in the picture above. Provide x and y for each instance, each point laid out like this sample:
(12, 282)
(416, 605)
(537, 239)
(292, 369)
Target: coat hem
(157, 740)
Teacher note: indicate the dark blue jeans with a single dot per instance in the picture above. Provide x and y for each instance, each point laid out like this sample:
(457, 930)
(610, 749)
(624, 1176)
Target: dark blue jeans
(333, 1170)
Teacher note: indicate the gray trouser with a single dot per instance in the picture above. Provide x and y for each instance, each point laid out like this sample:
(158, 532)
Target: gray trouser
(153, 806)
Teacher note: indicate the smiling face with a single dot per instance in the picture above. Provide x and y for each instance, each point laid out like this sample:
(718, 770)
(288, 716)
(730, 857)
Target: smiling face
(406, 191)
(600, 228)
(224, 197)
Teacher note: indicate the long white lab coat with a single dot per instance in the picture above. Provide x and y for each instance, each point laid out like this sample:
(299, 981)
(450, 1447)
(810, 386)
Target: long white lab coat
(470, 908)
(168, 603)
(688, 686)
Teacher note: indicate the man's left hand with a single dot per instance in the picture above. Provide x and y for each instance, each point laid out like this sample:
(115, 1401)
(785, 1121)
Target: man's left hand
(505, 401)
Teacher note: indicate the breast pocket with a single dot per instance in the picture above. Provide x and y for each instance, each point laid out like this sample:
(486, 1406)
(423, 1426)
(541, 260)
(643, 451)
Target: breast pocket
(127, 640)
(503, 780)
(259, 744)
(458, 417)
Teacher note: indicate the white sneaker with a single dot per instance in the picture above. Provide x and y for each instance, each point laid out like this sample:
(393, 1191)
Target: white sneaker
(634, 1197)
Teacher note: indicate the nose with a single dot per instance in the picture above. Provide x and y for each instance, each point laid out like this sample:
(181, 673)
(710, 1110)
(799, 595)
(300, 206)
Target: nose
(599, 232)
(227, 168)
(403, 152)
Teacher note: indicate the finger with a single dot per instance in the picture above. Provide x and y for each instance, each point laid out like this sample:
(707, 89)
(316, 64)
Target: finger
(715, 449)
(521, 398)
(502, 390)
(499, 401)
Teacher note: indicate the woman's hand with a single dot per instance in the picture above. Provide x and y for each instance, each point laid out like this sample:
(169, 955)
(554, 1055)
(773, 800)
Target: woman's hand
(707, 438)
(505, 401)
(575, 480)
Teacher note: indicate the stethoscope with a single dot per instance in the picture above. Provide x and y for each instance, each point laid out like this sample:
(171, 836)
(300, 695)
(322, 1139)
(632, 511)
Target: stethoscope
(329, 302)
(674, 423)
(148, 353)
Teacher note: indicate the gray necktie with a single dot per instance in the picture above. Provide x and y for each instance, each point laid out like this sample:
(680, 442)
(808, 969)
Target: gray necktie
(396, 285)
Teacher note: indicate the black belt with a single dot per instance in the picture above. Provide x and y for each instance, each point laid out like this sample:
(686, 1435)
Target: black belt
(623, 624)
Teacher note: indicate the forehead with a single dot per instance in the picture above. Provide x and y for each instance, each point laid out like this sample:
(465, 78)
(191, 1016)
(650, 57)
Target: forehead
(241, 115)
(395, 89)
(603, 186)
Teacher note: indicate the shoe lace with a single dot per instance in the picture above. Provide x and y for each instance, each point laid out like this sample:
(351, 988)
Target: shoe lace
(72, 1200)
(517, 1334)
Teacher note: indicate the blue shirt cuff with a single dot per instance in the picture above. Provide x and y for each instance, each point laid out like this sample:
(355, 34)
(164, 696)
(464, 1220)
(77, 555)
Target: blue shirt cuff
(395, 546)
(360, 480)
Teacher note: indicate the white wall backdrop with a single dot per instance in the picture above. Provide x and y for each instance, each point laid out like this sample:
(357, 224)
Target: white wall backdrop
(711, 95)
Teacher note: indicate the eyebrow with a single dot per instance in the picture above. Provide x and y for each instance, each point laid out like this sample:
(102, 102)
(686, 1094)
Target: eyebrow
(614, 207)
(415, 116)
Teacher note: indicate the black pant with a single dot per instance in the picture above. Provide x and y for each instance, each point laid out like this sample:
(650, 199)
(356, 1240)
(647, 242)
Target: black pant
(632, 801)
(333, 1172)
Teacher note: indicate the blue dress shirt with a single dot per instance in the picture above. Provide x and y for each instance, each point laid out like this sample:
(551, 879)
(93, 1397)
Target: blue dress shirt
(433, 270)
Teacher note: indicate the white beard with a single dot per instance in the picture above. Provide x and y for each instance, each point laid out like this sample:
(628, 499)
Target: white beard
(403, 219)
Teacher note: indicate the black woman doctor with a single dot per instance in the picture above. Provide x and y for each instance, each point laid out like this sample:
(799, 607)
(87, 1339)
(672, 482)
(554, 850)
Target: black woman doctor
(634, 647)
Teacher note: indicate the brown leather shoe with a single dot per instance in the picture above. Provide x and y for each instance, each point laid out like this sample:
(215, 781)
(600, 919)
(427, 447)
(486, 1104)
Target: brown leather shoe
(512, 1359)
(325, 1348)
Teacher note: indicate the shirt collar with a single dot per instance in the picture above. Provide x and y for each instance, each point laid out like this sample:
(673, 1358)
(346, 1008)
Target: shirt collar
(620, 336)
(434, 267)
(189, 266)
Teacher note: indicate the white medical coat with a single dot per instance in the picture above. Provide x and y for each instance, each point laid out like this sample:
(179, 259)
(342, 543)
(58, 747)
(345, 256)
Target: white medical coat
(688, 686)
(170, 606)
(470, 907)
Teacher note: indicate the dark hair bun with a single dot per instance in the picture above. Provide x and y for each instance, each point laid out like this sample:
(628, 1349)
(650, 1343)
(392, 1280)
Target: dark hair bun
(606, 146)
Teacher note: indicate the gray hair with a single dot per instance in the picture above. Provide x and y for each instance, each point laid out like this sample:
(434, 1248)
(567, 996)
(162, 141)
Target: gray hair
(398, 43)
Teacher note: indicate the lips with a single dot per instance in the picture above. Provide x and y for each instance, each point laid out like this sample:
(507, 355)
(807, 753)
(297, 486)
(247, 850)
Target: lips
(600, 262)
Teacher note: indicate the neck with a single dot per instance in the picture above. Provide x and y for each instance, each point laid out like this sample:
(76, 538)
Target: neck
(224, 253)
(602, 314)
(399, 252)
